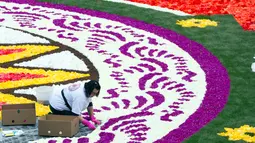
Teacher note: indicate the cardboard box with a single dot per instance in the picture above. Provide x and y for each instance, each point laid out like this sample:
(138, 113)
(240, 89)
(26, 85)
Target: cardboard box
(18, 114)
(58, 125)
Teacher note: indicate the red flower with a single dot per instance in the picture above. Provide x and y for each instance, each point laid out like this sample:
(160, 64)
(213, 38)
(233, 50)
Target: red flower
(10, 51)
(2, 103)
(17, 76)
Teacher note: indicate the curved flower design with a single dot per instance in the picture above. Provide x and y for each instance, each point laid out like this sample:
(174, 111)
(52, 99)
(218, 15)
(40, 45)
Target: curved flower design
(241, 133)
(147, 72)
(201, 23)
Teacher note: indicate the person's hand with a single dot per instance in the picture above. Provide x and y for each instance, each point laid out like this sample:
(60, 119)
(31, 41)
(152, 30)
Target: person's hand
(87, 123)
(93, 119)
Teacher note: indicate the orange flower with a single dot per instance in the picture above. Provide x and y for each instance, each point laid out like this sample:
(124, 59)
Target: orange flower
(242, 10)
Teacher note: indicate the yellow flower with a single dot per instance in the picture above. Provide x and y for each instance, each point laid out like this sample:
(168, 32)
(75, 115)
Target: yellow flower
(201, 23)
(50, 76)
(41, 110)
(27, 51)
(240, 133)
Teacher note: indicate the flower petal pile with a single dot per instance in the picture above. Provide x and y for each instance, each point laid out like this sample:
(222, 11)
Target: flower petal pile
(239, 133)
(201, 23)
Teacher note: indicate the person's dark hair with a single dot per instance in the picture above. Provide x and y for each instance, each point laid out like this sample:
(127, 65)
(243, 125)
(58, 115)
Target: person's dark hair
(90, 86)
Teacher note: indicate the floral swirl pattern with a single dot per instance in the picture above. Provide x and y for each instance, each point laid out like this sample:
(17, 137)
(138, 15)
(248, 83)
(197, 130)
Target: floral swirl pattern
(153, 79)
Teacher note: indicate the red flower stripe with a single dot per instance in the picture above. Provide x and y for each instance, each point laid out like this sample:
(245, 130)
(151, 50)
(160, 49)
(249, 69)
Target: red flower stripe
(4, 77)
(10, 51)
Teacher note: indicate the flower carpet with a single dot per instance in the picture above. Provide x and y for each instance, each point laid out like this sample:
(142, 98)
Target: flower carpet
(158, 84)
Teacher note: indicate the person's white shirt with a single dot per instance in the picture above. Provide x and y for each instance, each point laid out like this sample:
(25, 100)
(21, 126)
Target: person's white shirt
(75, 96)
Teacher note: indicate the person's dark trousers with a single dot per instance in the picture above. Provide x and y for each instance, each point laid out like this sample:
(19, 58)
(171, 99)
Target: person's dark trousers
(56, 112)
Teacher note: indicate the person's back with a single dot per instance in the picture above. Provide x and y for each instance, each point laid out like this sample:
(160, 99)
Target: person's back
(74, 99)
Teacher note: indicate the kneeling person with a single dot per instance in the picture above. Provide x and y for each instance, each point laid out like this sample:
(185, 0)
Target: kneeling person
(74, 99)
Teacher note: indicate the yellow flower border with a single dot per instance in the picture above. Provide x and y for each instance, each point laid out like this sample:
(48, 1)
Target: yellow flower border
(52, 76)
(30, 50)
(200, 23)
(239, 133)
(41, 109)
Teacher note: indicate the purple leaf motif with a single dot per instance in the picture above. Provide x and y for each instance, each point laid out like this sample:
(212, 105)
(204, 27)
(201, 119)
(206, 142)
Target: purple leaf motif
(124, 49)
(141, 101)
(113, 93)
(105, 137)
(163, 66)
(157, 97)
(83, 140)
(143, 80)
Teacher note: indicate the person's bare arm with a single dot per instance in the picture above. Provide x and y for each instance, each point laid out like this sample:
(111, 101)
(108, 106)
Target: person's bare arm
(91, 115)
(80, 118)
(90, 111)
